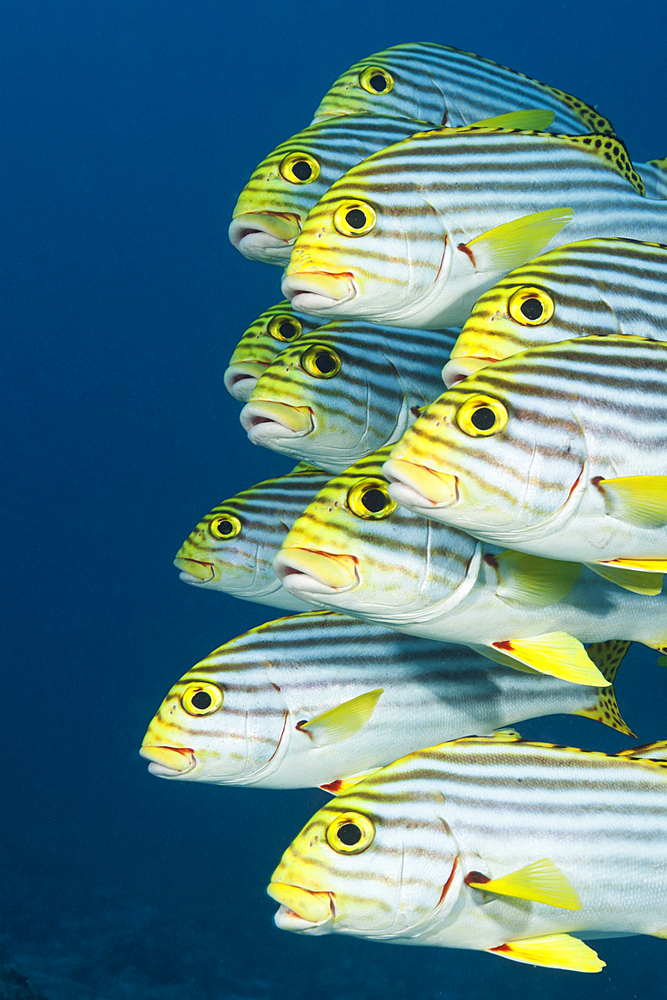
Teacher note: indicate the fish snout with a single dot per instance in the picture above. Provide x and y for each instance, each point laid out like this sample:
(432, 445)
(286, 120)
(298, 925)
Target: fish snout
(241, 378)
(459, 368)
(418, 487)
(265, 236)
(308, 571)
(317, 291)
(300, 909)
(195, 571)
(266, 419)
(168, 762)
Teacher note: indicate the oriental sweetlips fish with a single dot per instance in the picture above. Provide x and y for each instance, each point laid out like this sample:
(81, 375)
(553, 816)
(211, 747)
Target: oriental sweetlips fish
(318, 698)
(515, 848)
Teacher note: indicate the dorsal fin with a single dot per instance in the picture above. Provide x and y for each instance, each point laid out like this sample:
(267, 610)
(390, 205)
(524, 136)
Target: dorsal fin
(660, 164)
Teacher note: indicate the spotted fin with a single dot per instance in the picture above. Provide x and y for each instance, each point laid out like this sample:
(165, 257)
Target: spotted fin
(553, 951)
(342, 785)
(647, 584)
(648, 751)
(343, 721)
(555, 653)
(613, 151)
(541, 882)
(608, 656)
(512, 244)
(640, 500)
(527, 579)
(537, 120)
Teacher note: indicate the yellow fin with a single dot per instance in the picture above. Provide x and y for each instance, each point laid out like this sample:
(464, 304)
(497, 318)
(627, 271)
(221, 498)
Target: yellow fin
(555, 653)
(648, 751)
(647, 584)
(512, 244)
(506, 735)
(608, 657)
(614, 153)
(640, 500)
(554, 951)
(541, 882)
(343, 721)
(640, 565)
(536, 120)
(660, 164)
(660, 934)
(304, 467)
(526, 579)
(342, 785)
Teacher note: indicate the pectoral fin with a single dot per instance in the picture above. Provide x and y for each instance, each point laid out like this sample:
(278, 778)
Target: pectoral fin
(541, 882)
(535, 120)
(640, 500)
(555, 653)
(647, 584)
(553, 951)
(514, 243)
(343, 721)
(527, 579)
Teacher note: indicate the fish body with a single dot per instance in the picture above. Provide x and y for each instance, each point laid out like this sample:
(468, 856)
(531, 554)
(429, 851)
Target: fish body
(259, 345)
(414, 234)
(232, 548)
(503, 847)
(594, 287)
(392, 567)
(566, 458)
(345, 390)
(312, 699)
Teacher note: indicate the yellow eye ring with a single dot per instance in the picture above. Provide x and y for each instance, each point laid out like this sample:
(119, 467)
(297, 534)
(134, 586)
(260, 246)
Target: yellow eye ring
(202, 699)
(299, 168)
(482, 416)
(531, 306)
(350, 833)
(369, 499)
(376, 80)
(284, 327)
(224, 526)
(320, 361)
(354, 218)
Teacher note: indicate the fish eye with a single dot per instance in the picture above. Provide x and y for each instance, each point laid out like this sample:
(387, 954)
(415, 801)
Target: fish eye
(320, 362)
(284, 327)
(354, 218)
(481, 416)
(201, 699)
(369, 499)
(376, 80)
(299, 168)
(531, 306)
(350, 833)
(224, 526)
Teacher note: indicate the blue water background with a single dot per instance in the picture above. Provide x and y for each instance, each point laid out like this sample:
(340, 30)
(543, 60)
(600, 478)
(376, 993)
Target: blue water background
(128, 130)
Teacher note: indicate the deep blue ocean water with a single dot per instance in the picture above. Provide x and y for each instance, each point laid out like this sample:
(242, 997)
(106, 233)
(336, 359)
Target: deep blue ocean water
(128, 130)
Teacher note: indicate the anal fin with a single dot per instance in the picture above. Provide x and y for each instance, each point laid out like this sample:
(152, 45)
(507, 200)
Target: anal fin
(553, 951)
(555, 653)
(341, 785)
(647, 584)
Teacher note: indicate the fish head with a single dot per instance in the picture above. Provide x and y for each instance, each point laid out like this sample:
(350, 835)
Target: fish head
(370, 863)
(355, 550)
(223, 722)
(260, 344)
(498, 454)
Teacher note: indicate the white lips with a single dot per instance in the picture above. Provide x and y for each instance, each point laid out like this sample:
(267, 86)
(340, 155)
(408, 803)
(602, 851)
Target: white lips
(266, 420)
(264, 236)
(317, 293)
(241, 378)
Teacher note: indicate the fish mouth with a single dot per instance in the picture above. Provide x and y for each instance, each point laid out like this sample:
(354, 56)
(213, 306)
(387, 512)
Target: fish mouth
(317, 291)
(265, 236)
(265, 420)
(309, 571)
(194, 570)
(300, 909)
(241, 378)
(418, 487)
(459, 368)
(169, 762)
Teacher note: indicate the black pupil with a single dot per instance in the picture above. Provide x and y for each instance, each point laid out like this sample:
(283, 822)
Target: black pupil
(374, 500)
(325, 363)
(288, 330)
(483, 419)
(303, 170)
(378, 83)
(355, 218)
(349, 834)
(225, 527)
(532, 308)
(202, 700)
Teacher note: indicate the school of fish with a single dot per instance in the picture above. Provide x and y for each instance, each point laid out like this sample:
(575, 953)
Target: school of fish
(469, 366)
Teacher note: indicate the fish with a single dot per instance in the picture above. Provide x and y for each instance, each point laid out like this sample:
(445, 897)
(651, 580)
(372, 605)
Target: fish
(354, 550)
(559, 451)
(345, 390)
(593, 287)
(316, 699)
(232, 549)
(414, 234)
(259, 345)
(515, 848)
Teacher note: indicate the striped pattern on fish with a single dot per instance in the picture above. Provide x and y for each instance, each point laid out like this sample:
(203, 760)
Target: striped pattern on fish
(275, 682)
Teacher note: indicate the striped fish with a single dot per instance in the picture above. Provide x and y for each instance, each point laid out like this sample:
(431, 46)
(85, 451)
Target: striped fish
(232, 548)
(354, 550)
(560, 451)
(259, 345)
(519, 849)
(414, 234)
(595, 287)
(316, 698)
(345, 390)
